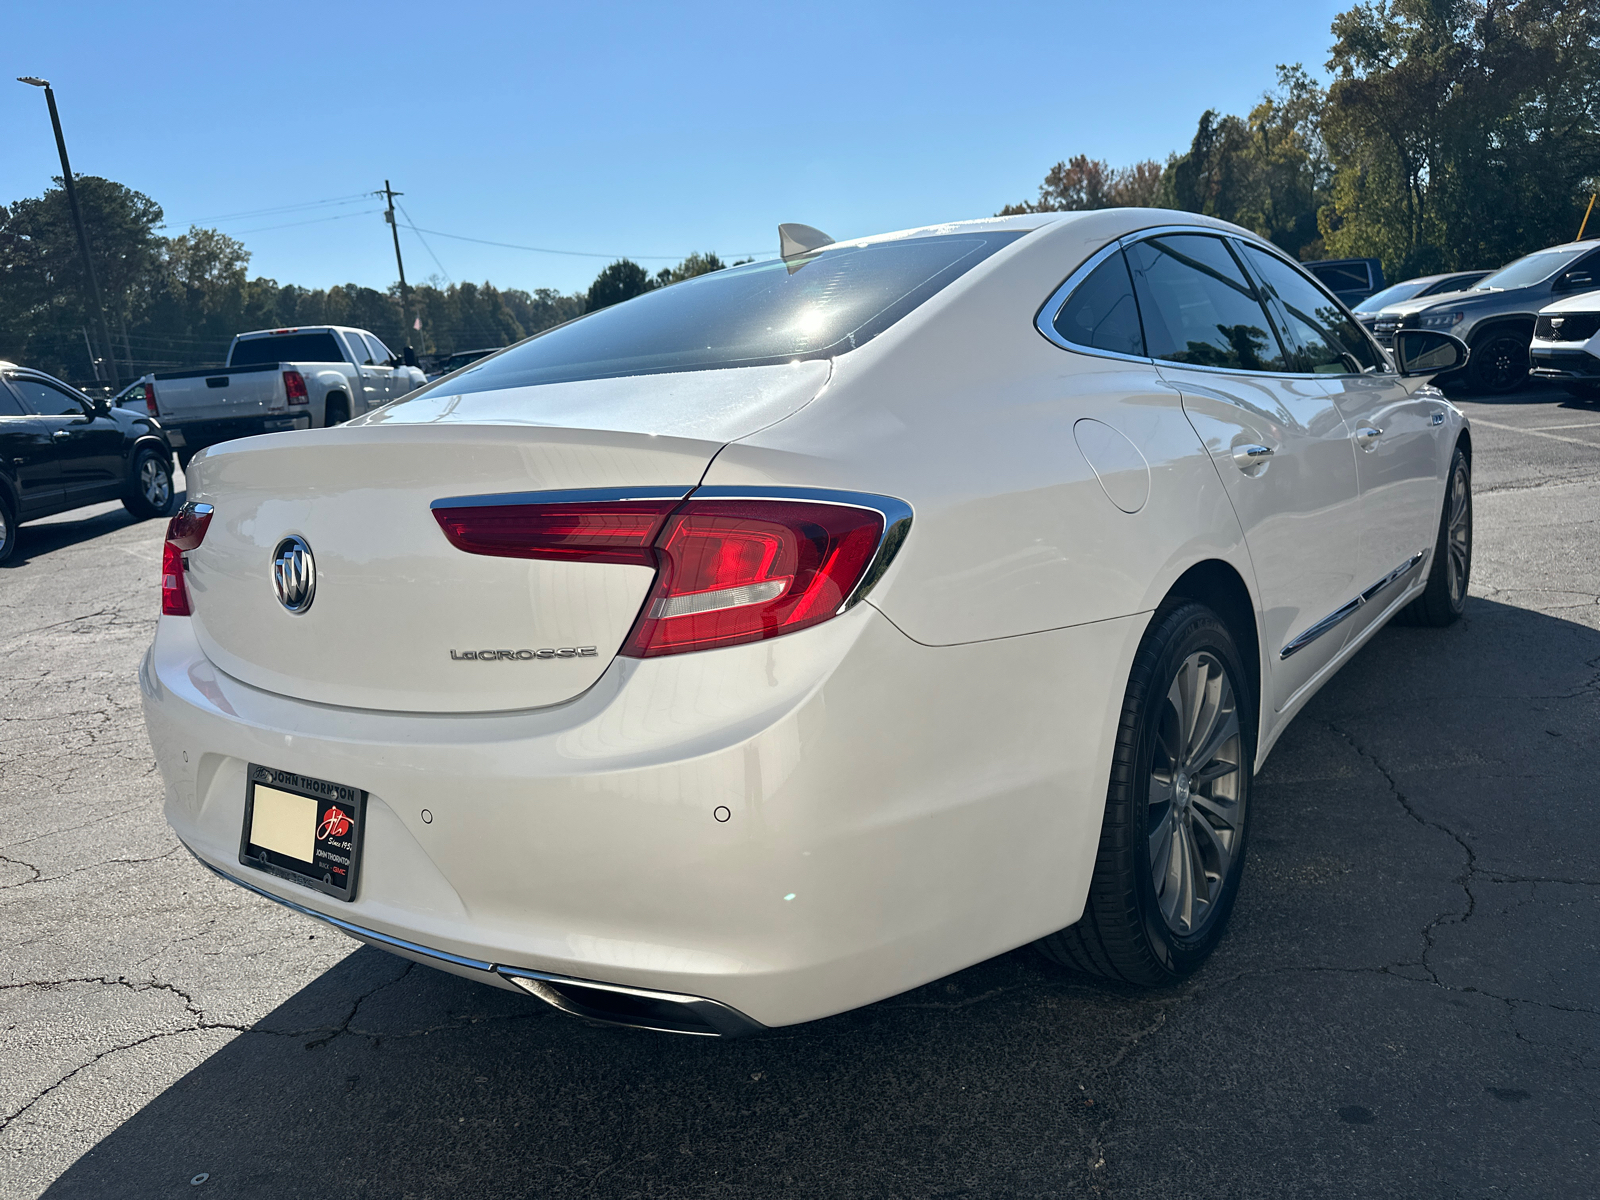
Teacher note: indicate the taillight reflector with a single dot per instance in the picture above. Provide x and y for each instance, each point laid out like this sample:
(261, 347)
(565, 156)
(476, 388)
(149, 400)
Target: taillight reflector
(727, 571)
(184, 532)
(294, 386)
(150, 399)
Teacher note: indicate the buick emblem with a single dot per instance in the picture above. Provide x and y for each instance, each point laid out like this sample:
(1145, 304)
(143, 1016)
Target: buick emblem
(294, 574)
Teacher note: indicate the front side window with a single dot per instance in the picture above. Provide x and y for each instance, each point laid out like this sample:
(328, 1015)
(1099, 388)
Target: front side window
(1101, 313)
(380, 352)
(817, 306)
(1198, 307)
(46, 399)
(1324, 337)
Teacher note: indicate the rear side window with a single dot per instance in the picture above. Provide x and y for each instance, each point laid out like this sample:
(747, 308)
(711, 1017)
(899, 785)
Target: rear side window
(286, 347)
(816, 306)
(1101, 313)
(1325, 339)
(1198, 307)
(9, 405)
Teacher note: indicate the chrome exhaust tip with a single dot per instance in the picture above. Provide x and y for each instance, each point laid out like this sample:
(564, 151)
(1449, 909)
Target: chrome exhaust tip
(635, 1008)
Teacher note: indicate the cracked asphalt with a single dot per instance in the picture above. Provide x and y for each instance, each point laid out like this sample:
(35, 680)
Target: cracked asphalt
(1406, 1003)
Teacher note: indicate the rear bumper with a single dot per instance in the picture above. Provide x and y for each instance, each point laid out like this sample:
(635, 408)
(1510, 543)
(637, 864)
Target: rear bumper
(787, 829)
(195, 436)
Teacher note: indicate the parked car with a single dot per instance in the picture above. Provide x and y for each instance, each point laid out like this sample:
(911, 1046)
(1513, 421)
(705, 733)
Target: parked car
(1424, 285)
(60, 450)
(1496, 315)
(772, 643)
(1350, 279)
(461, 358)
(277, 379)
(1566, 344)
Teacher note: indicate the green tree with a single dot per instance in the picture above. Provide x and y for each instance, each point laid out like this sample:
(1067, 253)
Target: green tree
(695, 264)
(1462, 132)
(1082, 182)
(622, 280)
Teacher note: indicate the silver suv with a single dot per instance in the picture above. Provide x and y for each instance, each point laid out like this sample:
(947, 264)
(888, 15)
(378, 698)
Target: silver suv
(1495, 317)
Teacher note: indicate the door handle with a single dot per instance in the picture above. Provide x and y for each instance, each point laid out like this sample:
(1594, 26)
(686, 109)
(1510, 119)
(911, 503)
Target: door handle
(1367, 437)
(1251, 455)
(60, 435)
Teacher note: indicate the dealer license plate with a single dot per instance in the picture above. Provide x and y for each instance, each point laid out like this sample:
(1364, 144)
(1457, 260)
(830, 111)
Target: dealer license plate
(305, 829)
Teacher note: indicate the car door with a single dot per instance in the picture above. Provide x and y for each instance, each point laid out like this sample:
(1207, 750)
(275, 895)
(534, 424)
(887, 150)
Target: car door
(87, 447)
(373, 379)
(1394, 431)
(395, 384)
(29, 456)
(1276, 439)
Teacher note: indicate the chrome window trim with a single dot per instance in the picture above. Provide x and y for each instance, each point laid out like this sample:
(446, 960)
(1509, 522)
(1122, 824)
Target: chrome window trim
(566, 496)
(1044, 320)
(1349, 609)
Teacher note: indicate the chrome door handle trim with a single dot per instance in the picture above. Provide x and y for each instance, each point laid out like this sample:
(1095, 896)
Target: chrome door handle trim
(59, 434)
(1251, 455)
(1366, 436)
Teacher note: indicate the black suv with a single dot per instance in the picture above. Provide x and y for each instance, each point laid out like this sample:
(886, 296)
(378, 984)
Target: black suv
(59, 450)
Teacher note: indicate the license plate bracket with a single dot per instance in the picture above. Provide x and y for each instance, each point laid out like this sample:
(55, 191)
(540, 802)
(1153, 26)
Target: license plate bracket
(304, 829)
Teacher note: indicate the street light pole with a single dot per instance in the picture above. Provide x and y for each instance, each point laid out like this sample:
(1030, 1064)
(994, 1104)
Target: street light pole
(77, 219)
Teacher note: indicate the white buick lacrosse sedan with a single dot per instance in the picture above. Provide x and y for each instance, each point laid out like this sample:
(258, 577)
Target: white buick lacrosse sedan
(792, 636)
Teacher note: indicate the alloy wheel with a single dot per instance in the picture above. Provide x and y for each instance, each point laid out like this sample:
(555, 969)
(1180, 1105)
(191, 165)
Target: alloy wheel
(1196, 811)
(155, 481)
(1503, 363)
(1458, 535)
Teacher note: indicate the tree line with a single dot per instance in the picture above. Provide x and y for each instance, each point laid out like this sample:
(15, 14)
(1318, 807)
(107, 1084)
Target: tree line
(1455, 134)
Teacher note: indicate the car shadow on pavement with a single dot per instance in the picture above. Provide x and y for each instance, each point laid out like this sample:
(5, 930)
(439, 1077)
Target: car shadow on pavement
(40, 538)
(1373, 1013)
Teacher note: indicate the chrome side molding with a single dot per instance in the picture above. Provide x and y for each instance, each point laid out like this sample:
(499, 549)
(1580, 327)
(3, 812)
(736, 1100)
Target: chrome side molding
(608, 1003)
(1345, 611)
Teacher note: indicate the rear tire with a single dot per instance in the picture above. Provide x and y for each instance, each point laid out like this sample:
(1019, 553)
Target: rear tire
(8, 531)
(336, 412)
(1173, 840)
(1445, 598)
(150, 489)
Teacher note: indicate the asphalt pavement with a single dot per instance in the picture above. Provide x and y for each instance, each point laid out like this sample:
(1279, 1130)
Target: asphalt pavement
(1407, 1003)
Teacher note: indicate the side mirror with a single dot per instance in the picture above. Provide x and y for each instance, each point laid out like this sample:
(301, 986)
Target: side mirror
(410, 357)
(1575, 281)
(1428, 352)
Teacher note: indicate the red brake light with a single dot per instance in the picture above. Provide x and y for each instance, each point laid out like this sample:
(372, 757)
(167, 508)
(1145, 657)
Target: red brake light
(184, 532)
(150, 399)
(294, 385)
(616, 532)
(735, 571)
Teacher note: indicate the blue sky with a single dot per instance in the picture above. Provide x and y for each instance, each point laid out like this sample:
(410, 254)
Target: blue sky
(646, 130)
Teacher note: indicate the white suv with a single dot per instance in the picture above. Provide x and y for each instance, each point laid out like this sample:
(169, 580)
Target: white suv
(1566, 343)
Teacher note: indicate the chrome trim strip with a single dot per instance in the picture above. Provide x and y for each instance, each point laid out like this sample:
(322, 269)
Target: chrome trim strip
(1345, 611)
(1045, 319)
(566, 496)
(353, 930)
(896, 515)
(723, 1020)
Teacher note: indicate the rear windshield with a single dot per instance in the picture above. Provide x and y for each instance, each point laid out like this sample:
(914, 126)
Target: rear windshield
(286, 347)
(818, 306)
(1535, 267)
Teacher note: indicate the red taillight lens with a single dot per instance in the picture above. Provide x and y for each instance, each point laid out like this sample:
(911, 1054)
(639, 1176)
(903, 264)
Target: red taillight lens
(736, 571)
(619, 532)
(150, 399)
(184, 532)
(294, 386)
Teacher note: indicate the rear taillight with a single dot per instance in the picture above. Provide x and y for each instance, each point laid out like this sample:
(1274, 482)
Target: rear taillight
(184, 532)
(150, 399)
(294, 386)
(727, 571)
(737, 571)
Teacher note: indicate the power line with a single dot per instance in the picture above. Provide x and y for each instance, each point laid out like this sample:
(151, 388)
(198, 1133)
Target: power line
(280, 208)
(366, 212)
(425, 245)
(572, 253)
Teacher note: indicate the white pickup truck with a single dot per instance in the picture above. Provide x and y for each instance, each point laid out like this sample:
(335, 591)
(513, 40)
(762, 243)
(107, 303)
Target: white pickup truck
(276, 379)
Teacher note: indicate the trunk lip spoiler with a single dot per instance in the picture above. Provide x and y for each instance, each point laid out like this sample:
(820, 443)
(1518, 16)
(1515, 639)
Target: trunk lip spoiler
(896, 513)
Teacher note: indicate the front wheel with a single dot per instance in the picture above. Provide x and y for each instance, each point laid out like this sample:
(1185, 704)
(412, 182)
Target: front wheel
(1445, 597)
(1499, 362)
(1173, 840)
(8, 531)
(150, 491)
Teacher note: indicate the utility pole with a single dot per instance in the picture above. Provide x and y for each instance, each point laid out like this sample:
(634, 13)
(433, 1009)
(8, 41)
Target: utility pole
(77, 219)
(405, 292)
